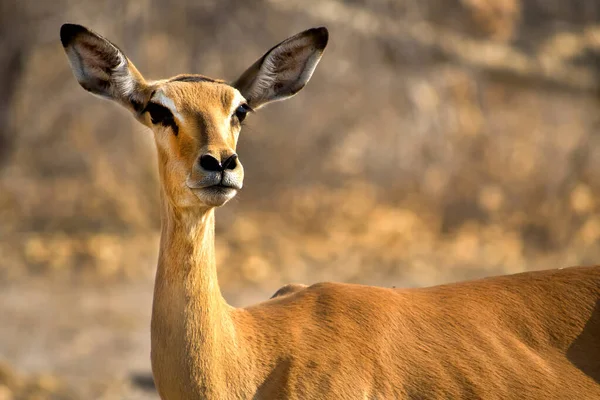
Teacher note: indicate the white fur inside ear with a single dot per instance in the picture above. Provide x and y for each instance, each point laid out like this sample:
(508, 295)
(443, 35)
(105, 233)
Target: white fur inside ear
(265, 80)
(122, 78)
(284, 72)
(161, 98)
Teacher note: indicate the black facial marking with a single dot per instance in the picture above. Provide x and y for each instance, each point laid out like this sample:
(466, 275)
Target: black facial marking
(138, 106)
(161, 115)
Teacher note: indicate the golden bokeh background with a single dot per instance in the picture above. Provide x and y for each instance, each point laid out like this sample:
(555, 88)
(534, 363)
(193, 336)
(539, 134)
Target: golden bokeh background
(437, 141)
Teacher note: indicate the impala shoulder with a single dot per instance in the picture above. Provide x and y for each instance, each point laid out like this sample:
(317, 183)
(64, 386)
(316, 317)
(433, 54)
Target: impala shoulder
(353, 297)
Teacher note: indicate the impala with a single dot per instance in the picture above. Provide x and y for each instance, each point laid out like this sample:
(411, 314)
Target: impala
(534, 335)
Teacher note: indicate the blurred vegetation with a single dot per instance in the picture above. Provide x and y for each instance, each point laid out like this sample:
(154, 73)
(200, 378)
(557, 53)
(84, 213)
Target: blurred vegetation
(437, 141)
(43, 387)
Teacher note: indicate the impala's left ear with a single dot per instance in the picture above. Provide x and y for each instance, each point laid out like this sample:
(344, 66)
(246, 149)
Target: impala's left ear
(101, 68)
(283, 70)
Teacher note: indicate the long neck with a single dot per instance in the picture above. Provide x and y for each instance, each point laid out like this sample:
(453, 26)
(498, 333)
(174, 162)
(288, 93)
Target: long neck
(187, 256)
(191, 322)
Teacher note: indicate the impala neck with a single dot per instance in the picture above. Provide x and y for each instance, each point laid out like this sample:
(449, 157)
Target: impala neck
(187, 256)
(191, 322)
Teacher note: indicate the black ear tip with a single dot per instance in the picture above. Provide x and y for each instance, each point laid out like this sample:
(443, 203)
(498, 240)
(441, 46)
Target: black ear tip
(69, 31)
(322, 35)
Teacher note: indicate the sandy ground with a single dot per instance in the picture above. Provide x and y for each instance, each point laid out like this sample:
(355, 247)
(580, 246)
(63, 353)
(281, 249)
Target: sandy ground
(95, 338)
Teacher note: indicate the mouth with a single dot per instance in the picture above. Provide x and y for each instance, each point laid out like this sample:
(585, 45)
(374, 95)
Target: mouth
(215, 189)
(215, 195)
(218, 188)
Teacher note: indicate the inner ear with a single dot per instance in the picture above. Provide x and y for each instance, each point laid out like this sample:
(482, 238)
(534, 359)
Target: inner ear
(101, 68)
(284, 70)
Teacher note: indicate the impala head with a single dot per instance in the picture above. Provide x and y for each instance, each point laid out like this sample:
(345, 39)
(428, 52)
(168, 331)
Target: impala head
(196, 120)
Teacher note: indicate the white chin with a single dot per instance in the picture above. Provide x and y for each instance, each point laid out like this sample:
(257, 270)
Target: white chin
(215, 196)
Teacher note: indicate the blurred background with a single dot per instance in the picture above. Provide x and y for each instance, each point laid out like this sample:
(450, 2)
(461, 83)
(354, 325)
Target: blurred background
(437, 141)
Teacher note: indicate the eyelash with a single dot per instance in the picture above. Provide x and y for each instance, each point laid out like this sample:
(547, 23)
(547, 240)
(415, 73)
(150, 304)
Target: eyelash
(161, 115)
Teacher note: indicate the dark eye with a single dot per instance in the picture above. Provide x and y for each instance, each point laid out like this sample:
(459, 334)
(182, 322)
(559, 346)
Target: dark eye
(161, 115)
(241, 112)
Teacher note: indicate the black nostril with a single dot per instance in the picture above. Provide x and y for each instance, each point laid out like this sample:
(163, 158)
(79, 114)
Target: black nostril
(230, 163)
(209, 163)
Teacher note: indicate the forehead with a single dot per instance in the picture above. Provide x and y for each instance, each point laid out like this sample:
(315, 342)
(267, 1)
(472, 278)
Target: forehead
(196, 93)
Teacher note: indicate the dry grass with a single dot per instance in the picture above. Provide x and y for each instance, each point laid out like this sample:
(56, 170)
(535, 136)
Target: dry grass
(42, 387)
(437, 141)
(432, 148)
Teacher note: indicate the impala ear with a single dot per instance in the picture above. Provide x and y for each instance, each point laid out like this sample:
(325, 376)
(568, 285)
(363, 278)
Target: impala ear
(101, 68)
(283, 70)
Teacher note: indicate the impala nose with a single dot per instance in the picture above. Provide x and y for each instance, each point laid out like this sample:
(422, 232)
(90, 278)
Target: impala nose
(209, 163)
(230, 163)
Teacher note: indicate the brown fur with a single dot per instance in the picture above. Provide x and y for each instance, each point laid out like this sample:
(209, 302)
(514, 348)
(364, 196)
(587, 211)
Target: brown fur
(288, 289)
(529, 336)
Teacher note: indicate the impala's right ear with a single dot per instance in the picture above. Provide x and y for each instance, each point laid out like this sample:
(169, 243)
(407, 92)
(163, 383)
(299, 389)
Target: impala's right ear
(101, 68)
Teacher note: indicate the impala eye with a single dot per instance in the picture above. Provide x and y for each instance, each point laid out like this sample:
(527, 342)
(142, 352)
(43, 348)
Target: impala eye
(241, 112)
